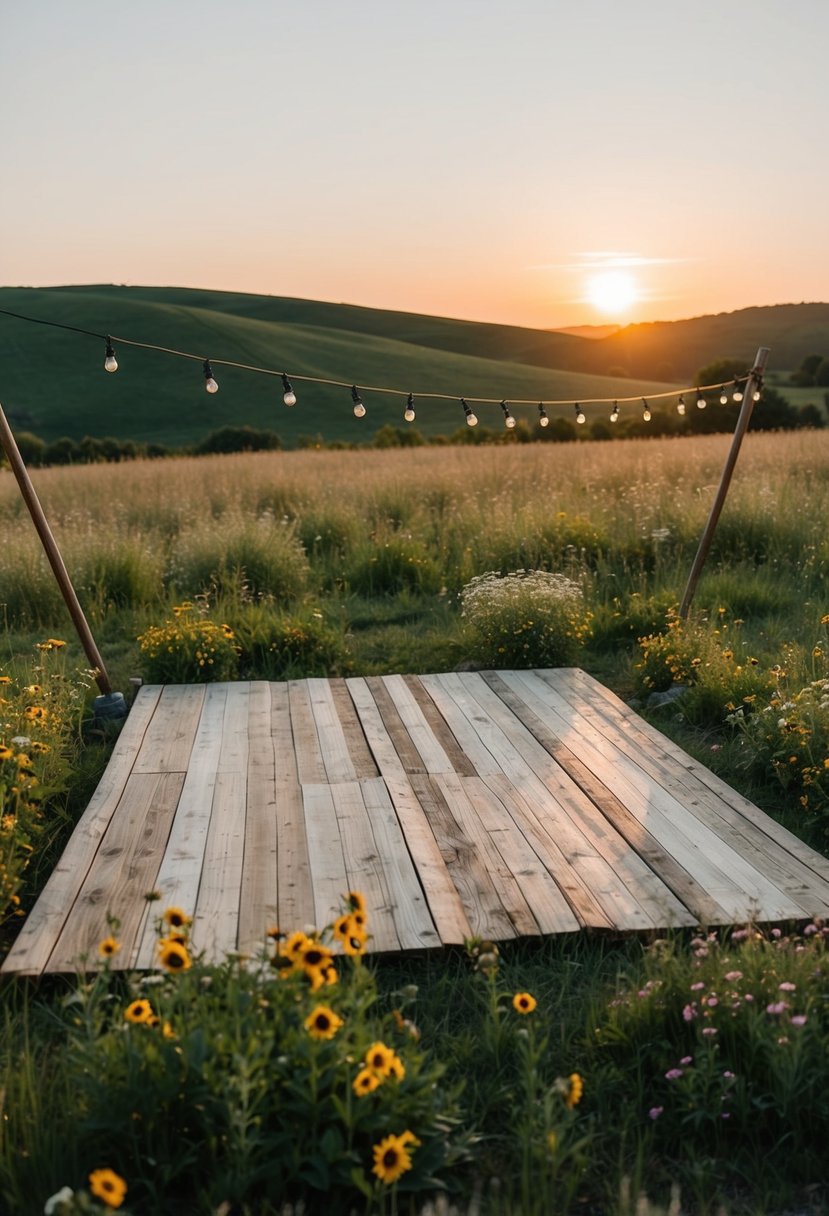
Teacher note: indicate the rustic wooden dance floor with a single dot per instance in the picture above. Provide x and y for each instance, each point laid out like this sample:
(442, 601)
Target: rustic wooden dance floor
(503, 804)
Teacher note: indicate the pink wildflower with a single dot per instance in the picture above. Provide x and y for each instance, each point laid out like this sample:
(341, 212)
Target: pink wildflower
(787, 986)
(799, 1019)
(655, 1112)
(673, 1074)
(689, 1013)
(687, 1060)
(777, 1007)
(731, 976)
(709, 1030)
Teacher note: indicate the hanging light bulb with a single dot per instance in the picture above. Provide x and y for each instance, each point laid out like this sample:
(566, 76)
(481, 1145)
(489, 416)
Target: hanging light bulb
(409, 413)
(614, 413)
(646, 413)
(359, 408)
(543, 420)
(701, 402)
(209, 383)
(509, 421)
(738, 391)
(110, 362)
(471, 420)
(723, 396)
(680, 405)
(580, 419)
(288, 396)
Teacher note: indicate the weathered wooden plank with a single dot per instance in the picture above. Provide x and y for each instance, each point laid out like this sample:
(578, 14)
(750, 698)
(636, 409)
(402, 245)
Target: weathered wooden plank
(358, 748)
(726, 876)
(178, 877)
(606, 868)
(216, 920)
(433, 755)
(409, 906)
(336, 756)
(296, 897)
(799, 870)
(124, 870)
(668, 908)
(169, 738)
(309, 761)
(36, 940)
(504, 908)
(545, 901)
(463, 714)
(444, 901)
(439, 727)
(363, 865)
(407, 758)
(329, 879)
(258, 901)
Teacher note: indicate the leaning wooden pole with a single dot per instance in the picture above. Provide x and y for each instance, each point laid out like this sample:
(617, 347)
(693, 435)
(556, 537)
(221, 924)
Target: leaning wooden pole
(755, 379)
(53, 554)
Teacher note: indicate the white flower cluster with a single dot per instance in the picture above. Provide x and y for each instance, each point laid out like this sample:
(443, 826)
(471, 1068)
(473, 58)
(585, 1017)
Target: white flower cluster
(537, 589)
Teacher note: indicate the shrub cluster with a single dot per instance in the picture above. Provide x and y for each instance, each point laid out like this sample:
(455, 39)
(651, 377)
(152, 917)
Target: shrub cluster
(528, 618)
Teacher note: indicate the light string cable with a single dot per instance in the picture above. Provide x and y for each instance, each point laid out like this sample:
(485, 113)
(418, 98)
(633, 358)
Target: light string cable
(110, 364)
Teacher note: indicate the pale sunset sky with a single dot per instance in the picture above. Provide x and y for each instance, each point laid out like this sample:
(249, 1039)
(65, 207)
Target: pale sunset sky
(537, 162)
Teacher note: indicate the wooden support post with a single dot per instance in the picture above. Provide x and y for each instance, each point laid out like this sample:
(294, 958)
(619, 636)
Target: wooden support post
(53, 554)
(755, 379)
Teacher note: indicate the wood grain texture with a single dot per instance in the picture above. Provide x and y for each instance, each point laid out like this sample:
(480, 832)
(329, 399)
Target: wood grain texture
(499, 804)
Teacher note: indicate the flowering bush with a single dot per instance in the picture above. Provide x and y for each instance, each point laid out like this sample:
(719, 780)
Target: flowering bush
(790, 737)
(264, 1079)
(40, 707)
(712, 659)
(529, 618)
(189, 648)
(729, 1044)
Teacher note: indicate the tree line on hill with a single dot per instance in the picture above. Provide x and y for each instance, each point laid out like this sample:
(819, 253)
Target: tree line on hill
(772, 412)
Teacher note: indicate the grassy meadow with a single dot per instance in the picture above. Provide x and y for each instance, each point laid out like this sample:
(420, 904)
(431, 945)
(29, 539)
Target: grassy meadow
(695, 1064)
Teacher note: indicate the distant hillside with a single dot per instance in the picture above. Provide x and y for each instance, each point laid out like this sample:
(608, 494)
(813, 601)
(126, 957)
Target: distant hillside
(53, 384)
(588, 331)
(53, 381)
(677, 349)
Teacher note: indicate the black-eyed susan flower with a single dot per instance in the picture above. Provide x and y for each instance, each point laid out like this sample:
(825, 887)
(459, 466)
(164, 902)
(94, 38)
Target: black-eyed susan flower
(379, 1058)
(176, 918)
(108, 1186)
(397, 1068)
(173, 955)
(322, 1022)
(294, 944)
(6, 753)
(366, 1081)
(523, 1002)
(574, 1091)
(138, 1012)
(39, 748)
(356, 902)
(392, 1158)
(108, 947)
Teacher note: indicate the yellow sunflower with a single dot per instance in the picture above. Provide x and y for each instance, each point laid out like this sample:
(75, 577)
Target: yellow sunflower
(322, 1022)
(366, 1081)
(575, 1090)
(392, 1158)
(108, 1186)
(139, 1012)
(356, 902)
(379, 1059)
(523, 1002)
(176, 918)
(173, 955)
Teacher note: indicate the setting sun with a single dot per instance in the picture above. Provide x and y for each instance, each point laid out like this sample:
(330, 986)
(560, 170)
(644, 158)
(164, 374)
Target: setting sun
(612, 292)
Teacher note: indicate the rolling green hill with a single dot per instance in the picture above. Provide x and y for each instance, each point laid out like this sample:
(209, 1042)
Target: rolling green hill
(52, 383)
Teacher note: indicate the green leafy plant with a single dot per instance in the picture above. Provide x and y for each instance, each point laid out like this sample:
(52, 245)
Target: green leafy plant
(267, 1079)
